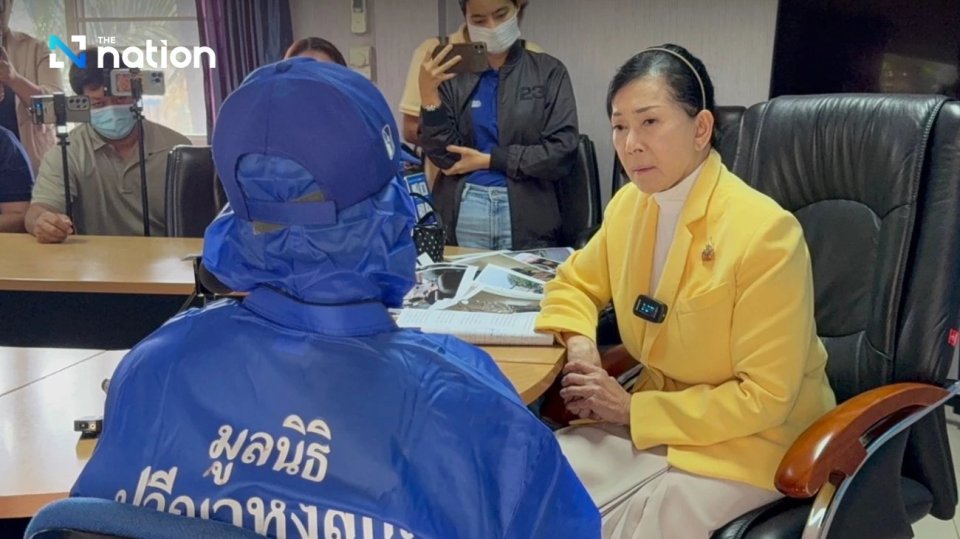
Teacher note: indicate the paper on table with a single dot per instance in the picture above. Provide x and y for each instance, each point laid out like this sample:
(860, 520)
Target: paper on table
(509, 282)
(478, 328)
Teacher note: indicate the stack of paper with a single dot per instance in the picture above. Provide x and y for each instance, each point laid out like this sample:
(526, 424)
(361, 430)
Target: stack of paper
(486, 298)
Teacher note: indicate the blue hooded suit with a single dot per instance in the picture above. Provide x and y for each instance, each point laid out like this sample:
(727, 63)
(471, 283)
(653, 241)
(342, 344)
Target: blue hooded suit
(302, 410)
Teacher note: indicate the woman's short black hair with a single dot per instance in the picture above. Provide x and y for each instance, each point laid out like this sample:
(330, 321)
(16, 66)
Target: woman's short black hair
(677, 74)
(517, 3)
(92, 75)
(318, 44)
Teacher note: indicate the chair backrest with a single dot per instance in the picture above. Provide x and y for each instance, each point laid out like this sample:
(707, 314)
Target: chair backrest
(727, 131)
(191, 191)
(91, 518)
(579, 195)
(727, 128)
(875, 182)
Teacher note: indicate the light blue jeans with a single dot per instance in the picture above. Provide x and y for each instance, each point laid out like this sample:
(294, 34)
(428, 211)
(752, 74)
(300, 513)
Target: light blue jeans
(484, 220)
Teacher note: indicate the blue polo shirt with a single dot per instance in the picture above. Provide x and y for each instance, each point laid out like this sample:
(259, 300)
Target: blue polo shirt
(16, 178)
(483, 109)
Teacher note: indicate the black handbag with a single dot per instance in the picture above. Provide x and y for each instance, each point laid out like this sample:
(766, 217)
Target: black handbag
(429, 237)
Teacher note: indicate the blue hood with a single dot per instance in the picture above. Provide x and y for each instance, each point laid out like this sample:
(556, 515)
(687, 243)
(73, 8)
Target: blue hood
(368, 255)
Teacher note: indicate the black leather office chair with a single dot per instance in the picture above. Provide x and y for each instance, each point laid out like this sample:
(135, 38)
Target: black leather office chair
(875, 182)
(579, 197)
(191, 191)
(727, 129)
(726, 133)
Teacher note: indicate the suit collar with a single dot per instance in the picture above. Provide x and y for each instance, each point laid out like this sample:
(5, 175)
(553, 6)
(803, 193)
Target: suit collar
(694, 210)
(701, 192)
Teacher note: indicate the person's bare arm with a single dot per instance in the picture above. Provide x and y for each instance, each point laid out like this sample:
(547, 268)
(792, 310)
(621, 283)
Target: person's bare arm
(24, 88)
(411, 129)
(11, 216)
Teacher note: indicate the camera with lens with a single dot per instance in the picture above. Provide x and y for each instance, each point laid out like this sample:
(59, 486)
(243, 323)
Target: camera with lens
(122, 82)
(59, 109)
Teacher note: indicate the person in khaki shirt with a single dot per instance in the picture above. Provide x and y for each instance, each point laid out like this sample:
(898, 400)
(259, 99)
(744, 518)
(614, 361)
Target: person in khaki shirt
(25, 72)
(104, 166)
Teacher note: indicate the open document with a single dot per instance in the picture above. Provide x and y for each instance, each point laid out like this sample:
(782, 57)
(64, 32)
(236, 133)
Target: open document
(478, 328)
(485, 298)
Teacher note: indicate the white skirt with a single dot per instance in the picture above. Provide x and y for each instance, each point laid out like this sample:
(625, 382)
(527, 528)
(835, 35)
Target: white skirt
(640, 496)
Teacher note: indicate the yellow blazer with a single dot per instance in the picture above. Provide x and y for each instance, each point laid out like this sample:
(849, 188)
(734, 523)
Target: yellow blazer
(735, 372)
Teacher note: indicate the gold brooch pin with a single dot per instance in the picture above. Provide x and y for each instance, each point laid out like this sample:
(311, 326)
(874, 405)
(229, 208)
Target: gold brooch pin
(708, 252)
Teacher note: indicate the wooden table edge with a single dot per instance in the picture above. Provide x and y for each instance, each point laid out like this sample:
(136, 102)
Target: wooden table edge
(96, 287)
(27, 505)
(537, 390)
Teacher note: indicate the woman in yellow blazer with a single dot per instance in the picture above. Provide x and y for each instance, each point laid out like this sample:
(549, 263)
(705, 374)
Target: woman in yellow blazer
(712, 285)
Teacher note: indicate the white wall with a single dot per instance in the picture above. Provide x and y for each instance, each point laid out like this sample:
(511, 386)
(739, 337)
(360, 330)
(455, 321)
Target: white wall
(734, 38)
(394, 29)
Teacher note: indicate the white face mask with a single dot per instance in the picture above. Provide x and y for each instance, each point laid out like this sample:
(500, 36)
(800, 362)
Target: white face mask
(498, 39)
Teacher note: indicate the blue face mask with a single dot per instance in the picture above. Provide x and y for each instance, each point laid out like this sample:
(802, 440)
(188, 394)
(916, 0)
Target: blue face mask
(113, 122)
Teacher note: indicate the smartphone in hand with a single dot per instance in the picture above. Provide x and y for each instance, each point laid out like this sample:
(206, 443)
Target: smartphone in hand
(473, 56)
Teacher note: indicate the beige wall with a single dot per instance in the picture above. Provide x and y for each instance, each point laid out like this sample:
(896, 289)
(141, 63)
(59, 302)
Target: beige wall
(734, 38)
(394, 29)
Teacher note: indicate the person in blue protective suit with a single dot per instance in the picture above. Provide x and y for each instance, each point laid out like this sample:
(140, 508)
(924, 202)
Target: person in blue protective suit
(302, 410)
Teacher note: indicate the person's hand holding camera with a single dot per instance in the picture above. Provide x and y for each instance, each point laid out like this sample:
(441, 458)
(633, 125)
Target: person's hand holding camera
(433, 73)
(52, 227)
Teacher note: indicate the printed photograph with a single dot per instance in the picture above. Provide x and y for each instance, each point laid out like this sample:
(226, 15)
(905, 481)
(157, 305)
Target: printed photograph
(541, 271)
(537, 261)
(534, 272)
(484, 301)
(505, 280)
(435, 283)
(554, 254)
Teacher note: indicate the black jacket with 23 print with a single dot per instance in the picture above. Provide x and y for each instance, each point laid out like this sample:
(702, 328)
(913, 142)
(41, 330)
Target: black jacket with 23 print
(538, 136)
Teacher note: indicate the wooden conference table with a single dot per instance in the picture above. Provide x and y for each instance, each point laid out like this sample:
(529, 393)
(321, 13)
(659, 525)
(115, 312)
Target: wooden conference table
(99, 264)
(98, 292)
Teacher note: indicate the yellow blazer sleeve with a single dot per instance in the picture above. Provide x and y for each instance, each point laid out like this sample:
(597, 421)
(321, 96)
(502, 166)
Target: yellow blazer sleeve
(772, 331)
(573, 299)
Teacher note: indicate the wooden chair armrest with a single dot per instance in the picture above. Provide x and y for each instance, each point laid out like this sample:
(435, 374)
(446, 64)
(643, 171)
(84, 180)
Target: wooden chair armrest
(835, 445)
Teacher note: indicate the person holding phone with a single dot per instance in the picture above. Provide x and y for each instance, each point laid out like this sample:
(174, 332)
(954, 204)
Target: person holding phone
(410, 101)
(713, 288)
(24, 72)
(502, 138)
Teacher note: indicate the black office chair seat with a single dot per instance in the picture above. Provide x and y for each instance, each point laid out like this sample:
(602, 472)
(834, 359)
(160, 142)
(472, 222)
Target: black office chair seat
(786, 517)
